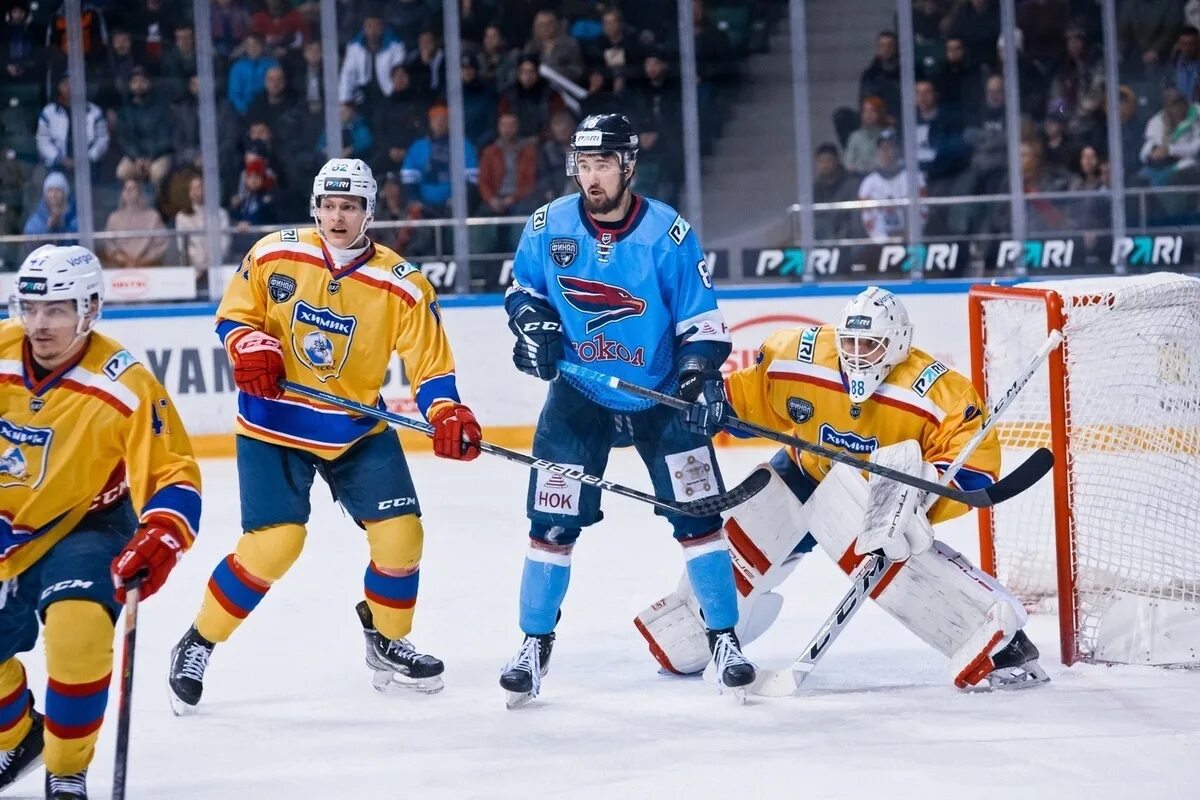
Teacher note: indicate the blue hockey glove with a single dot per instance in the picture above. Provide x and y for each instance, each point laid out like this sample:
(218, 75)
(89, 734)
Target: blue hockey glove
(539, 341)
(698, 377)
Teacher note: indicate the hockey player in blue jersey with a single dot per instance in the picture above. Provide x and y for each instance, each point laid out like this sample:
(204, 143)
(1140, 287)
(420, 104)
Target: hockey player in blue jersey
(616, 282)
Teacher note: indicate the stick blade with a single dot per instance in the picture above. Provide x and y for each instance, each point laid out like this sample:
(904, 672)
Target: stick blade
(754, 483)
(1029, 472)
(775, 683)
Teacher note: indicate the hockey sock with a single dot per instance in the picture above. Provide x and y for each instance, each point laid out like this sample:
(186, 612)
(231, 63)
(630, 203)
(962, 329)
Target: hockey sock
(711, 574)
(242, 579)
(79, 654)
(544, 586)
(15, 702)
(391, 579)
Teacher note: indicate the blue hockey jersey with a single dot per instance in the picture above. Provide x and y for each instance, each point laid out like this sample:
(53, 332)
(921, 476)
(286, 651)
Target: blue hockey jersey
(632, 300)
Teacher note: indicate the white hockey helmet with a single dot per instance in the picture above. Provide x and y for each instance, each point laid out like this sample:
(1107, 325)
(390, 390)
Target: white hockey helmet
(344, 176)
(873, 336)
(52, 273)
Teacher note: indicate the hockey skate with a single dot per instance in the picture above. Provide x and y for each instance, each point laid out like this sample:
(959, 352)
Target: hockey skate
(732, 671)
(395, 662)
(185, 682)
(1016, 666)
(66, 787)
(522, 675)
(26, 756)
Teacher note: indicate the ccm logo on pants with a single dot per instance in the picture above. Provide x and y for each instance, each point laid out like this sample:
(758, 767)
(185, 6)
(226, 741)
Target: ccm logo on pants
(397, 502)
(74, 583)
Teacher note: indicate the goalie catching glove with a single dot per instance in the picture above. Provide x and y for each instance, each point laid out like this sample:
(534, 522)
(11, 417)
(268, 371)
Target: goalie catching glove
(895, 521)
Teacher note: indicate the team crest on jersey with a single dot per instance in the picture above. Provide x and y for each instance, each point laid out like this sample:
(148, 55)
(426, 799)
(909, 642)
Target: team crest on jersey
(321, 339)
(799, 409)
(281, 287)
(24, 452)
(564, 251)
(848, 441)
(334, 287)
(928, 377)
(808, 344)
(603, 301)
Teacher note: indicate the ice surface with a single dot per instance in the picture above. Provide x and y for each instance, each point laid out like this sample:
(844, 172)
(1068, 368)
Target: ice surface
(289, 711)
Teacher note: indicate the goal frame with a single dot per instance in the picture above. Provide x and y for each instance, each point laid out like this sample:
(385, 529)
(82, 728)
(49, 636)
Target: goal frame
(1059, 396)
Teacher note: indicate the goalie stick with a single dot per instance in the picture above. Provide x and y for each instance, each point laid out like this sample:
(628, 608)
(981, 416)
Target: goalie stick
(867, 575)
(706, 506)
(1025, 475)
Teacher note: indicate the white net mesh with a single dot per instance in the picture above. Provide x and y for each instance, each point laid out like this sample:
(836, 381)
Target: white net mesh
(1133, 452)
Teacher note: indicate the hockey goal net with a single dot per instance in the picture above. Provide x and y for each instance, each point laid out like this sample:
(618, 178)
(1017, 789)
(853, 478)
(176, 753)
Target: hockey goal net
(1112, 537)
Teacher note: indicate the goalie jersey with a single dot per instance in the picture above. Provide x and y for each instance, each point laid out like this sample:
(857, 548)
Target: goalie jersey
(798, 386)
(339, 328)
(84, 438)
(631, 300)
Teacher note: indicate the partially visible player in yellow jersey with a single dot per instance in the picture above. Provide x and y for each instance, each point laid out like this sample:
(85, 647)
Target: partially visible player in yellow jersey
(97, 486)
(326, 307)
(861, 387)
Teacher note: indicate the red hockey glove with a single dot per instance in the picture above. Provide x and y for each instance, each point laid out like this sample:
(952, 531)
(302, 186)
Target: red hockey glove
(151, 554)
(456, 433)
(258, 365)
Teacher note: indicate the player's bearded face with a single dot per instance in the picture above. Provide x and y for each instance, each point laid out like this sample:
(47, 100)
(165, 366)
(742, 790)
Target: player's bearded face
(51, 328)
(601, 181)
(341, 219)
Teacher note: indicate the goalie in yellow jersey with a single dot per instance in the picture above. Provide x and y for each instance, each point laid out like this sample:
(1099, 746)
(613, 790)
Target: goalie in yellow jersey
(326, 307)
(859, 386)
(97, 486)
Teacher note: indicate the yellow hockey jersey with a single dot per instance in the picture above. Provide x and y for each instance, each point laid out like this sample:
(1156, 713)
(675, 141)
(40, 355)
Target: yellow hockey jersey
(338, 328)
(798, 386)
(94, 431)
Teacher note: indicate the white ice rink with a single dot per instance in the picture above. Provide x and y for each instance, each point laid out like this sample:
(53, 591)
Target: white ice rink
(289, 711)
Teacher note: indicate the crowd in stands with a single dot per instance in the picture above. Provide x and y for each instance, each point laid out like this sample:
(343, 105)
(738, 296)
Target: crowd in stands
(961, 137)
(530, 70)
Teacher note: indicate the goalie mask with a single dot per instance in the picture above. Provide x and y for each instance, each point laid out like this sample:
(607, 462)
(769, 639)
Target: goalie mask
(873, 336)
(345, 177)
(51, 273)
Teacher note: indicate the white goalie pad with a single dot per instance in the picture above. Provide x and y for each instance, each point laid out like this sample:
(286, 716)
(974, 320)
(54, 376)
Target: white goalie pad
(762, 534)
(938, 595)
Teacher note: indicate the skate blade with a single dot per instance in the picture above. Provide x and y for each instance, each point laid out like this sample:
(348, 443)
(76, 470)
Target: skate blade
(25, 770)
(738, 693)
(1015, 679)
(178, 707)
(517, 699)
(388, 682)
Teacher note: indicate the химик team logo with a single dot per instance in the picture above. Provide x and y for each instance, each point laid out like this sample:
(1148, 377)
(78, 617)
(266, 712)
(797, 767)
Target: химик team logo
(321, 339)
(605, 302)
(24, 452)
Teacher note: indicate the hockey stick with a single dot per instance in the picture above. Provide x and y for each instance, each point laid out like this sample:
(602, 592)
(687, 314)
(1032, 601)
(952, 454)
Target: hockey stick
(1025, 475)
(870, 571)
(703, 507)
(121, 758)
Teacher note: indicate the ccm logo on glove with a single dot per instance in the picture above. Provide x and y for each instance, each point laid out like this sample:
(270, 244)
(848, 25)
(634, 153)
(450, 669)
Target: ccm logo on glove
(258, 365)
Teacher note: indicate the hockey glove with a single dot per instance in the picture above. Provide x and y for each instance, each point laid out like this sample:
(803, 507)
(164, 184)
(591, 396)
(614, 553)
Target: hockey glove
(150, 555)
(456, 433)
(698, 378)
(258, 365)
(895, 522)
(539, 347)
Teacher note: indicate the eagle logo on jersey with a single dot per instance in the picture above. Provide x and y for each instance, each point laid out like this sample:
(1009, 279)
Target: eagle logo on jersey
(25, 453)
(321, 339)
(607, 303)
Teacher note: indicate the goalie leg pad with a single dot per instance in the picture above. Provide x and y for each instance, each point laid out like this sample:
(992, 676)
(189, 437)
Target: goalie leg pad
(675, 632)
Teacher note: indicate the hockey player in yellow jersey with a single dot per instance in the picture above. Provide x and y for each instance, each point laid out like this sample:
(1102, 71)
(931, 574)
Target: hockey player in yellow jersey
(97, 486)
(859, 386)
(326, 307)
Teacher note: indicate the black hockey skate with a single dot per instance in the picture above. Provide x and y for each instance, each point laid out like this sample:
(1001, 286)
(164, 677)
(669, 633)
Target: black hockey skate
(66, 787)
(189, 659)
(522, 675)
(1016, 665)
(26, 756)
(395, 662)
(733, 671)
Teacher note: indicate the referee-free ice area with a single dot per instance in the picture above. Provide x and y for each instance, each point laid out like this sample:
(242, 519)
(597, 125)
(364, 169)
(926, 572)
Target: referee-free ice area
(289, 711)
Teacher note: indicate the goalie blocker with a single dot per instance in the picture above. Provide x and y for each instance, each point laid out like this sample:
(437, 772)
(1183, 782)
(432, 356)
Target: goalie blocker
(950, 604)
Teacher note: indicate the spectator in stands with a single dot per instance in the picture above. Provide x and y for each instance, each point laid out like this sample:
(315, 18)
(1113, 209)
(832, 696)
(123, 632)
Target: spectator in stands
(153, 24)
(861, 146)
(479, 104)
(254, 204)
(1032, 83)
(553, 181)
(1133, 129)
(408, 18)
(959, 82)
(53, 131)
(1058, 152)
(617, 49)
(888, 181)
(716, 61)
(12, 207)
(195, 245)
(392, 206)
(133, 214)
(1185, 68)
(18, 53)
(275, 106)
(1043, 23)
(259, 143)
(1147, 29)
(367, 66)
(1042, 215)
(552, 46)
(95, 34)
(145, 131)
(178, 64)
(977, 23)
(357, 141)
(989, 156)
(55, 212)
(654, 106)
(531, 99)
(927, 21)
(833, 184)
(474, 16)
(309, 75)
(399, 121)
(427, 166)
(602, 96)
(507, 179)
(881, 78)
(944, 158)
(1171, 142)
(248, 75)
(498, 61)
(185, 128)
(282, 29)
(1086, 175)
(428, 67)
(114, 91)
(230, 26)
(1079, 80)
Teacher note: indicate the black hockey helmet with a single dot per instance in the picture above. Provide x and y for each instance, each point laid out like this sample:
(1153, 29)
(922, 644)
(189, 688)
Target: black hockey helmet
(604, 133)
